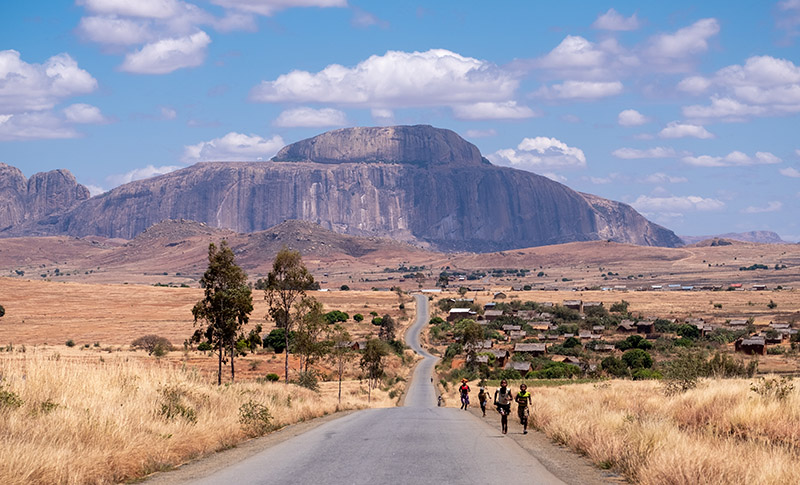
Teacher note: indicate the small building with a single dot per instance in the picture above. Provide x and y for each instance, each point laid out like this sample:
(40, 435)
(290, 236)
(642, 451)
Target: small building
(626, 326)
(457, 314)
(759, 287)
(526, 314)
(569, 359)
(511, 328)
(598, 329)
(482, 359)
(490, 305)
(522, 367)
(517, 334)
(738, 322)
(603, 348)
(499, 296)
(533, 349)
(492, 315)
(573, 305)
(500, 355)
(751, 346)
(542, 326)
(645, 327)
(517, 288)
(584, 335)
(592, 304)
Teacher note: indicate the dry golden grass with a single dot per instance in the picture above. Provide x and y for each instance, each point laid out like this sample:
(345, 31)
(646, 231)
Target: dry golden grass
(102, 420)
(719, 433)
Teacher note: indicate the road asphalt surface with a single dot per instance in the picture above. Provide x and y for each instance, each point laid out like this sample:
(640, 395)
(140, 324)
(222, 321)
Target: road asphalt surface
(418, 443)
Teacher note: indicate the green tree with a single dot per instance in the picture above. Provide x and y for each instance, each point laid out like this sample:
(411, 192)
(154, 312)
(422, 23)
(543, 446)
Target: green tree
(340, 353)
(388, 328)
(372, 362)
(614, 366)
(311, 324)
(226, 307)
(469, 333)
(287, 283)
(358, 317)
(637, 359)
(277, 340)
(688, 331)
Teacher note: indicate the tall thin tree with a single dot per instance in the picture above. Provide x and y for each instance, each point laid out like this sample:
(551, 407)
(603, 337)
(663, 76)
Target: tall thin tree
(286, 283)
(340, 352)
(226, 307)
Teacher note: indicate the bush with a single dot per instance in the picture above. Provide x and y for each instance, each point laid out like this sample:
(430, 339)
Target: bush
(358, 317)
(615, 367)
(634, 342)
(377, 321)
(619, 307)
(637, 359)
(70, 343)
(336, 316)
(9, 399)
(772, 305)
(453, 350)
(344, 288)
(555, 370)
(276, 339)
(2, 311)
(254, 418)
(507, 374)
(308, 379)
(204, 347)
(646, 374)
(172, 405)
(153, 344)
(683, 342)
(688, 331)
(571, 342)
(272, 377)
(665, 326)
(777, 388)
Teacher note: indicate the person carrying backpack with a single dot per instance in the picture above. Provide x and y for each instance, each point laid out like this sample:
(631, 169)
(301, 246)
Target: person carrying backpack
(464, 390)
(502, 400)
(523, 406)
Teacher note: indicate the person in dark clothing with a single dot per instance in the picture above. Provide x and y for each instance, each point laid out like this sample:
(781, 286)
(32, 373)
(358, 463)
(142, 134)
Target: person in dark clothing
(502, 400)
(464, 390)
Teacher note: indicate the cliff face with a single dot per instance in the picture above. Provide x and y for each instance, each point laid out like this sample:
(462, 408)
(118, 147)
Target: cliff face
(417, 184)
(43, 195)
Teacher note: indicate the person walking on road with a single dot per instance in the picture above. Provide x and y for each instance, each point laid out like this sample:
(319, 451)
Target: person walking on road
(464, 390)
(483, 397)
(523, 406)
(502, 399)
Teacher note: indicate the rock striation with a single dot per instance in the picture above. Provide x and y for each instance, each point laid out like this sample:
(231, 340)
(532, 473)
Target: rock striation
(416, 184)
(44, 195)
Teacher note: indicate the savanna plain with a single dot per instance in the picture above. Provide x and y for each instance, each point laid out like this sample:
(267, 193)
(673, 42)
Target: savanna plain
(79, 404)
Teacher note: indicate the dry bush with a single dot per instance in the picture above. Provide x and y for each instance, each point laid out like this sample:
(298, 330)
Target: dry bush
(719, 433)
(95, 421)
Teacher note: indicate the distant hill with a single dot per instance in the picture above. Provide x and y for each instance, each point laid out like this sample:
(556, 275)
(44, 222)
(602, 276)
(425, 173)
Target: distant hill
(763, 237)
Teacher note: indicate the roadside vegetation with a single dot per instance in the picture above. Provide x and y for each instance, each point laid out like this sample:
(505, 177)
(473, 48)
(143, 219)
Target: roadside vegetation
(113, 419)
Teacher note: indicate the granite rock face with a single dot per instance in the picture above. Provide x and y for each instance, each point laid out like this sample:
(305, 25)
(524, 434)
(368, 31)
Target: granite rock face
(416, 184)
(45, 194)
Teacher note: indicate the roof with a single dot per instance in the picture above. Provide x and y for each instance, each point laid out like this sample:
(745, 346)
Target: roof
(530, 348)
(511, 328)
(493, 313)
(523, 366)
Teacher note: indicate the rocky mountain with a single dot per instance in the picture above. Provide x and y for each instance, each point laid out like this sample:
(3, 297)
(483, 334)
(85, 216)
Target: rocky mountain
(416, 184)
(764, 237)
(43, 195)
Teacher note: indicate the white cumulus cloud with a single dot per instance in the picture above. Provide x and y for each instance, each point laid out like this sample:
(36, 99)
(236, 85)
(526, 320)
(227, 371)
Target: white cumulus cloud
(675, 129)
(790, 172)
(540, 153)
(270, 7)
(233, 147)
(35, 125)
(662, 178)
(157, 9)
(310, 117)
(733, 159)
(612, 20)
(685, 42)
(167, 55)
(140, 173)
(772, 206)
(581, 90)
(631, 117)
(84, 113)
(34, 87)
(508, 110)
(675, 204)
(635, 153)
(437, 77)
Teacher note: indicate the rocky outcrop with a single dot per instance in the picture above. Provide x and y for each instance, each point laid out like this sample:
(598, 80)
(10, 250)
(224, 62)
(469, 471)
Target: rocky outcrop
(416, 184)
(43, 195)
(420, 145)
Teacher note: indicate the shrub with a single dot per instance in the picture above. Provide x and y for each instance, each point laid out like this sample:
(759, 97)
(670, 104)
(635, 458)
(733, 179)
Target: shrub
(453, 350)
(272, 377)
(619, 307)
(70, 343)
(9, 399)
(646, 374)
(688, 331)
(308, 379)
(336, 316)
(377, 321)
(2, 311)
(204, 346)
(637, 359)
(771, 304)
(153, 344)
(358, 317)
(436, 321)
(344, 288)
(254, 418)
(555, 370)
(571, 342)
(172, 405)
(777, 388)
(615, 367)
(684, 342)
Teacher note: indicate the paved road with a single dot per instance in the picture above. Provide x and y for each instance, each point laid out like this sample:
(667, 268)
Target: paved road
(418, 443)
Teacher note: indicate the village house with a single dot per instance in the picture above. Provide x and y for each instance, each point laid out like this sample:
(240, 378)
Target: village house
(592, 304)
(517, 334)
(492, 315)
(457, 314)
(603, 348)
(645, 327)
(522, 367)
(751, 346)
(573, 305)
(526, 314)
(511, 328)
(598, 329)
(626, 326)
(499, 296)
(500, 355)
(490, 305)
(536, 349)
(738, 322)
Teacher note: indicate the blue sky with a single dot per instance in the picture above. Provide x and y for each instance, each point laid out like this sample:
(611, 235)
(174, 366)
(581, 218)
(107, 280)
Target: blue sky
(686, 110)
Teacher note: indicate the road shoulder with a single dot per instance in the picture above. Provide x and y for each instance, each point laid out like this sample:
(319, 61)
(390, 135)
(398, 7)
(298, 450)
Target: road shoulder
(562, 462)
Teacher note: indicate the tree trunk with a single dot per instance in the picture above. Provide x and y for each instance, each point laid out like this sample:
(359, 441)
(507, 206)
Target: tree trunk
(233, 370)
(340, 387)
(219, 370)
(286, 362)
